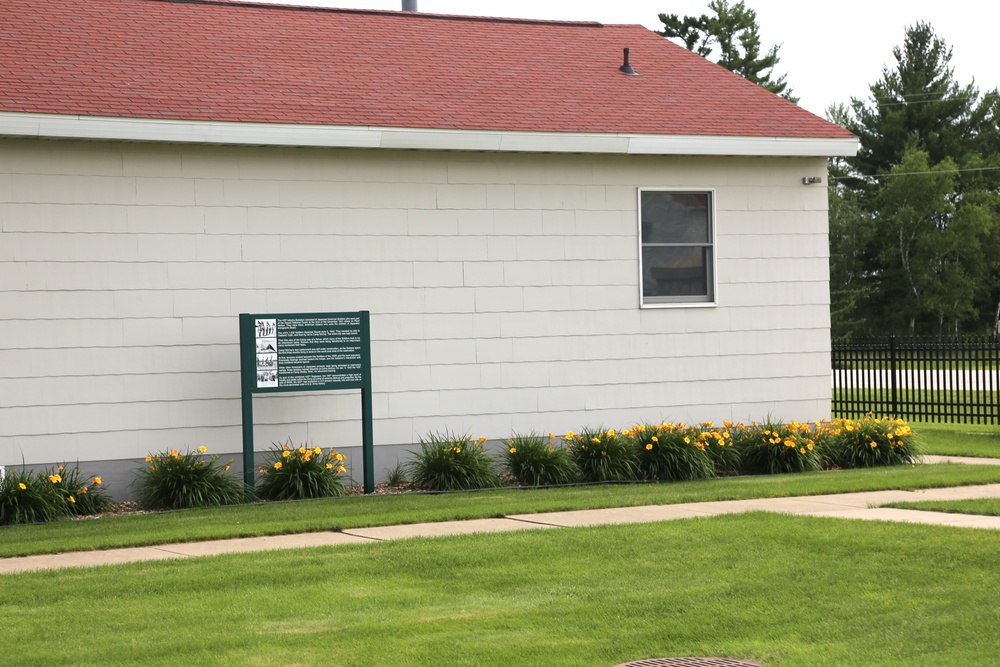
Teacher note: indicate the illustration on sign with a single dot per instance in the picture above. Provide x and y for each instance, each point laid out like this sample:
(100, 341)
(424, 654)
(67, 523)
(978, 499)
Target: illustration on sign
(267, 353)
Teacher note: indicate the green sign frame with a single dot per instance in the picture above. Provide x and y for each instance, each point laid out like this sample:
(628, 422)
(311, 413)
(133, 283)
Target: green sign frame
(282, 352)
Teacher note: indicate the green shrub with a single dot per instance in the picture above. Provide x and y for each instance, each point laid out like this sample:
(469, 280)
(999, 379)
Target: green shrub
(28, 497)
(292, 474)
(869, 442)
(83, 495)
(776, 448)
(669, 452)
(603, 455)
(533, 460)
(448, 462)
(175, 481)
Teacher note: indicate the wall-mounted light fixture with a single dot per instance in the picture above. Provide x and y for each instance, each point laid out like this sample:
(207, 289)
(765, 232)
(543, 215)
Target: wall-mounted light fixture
(811, 180)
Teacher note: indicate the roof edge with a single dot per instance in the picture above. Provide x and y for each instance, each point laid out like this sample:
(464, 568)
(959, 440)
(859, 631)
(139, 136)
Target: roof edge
(265, 4)
(100, 128)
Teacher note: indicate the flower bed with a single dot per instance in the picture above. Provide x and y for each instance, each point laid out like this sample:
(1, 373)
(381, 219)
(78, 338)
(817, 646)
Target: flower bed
(663, 452)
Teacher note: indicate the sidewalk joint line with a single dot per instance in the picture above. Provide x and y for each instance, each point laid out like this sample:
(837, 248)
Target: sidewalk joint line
(160, 547)
(365, 537)
(536, 523)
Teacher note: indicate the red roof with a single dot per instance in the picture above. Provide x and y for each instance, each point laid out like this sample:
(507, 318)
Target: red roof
(229, 61)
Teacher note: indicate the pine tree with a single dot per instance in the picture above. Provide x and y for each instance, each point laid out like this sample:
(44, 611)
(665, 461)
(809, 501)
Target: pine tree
(734, 30)
(926, 184)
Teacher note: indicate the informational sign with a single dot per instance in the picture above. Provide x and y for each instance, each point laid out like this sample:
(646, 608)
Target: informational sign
(306, 352)
(309, 352)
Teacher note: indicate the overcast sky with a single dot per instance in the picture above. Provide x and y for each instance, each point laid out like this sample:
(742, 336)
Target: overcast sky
(831, 51)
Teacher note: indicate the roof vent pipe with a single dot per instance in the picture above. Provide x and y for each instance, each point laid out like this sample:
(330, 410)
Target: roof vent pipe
(626, 68)
(409, 5)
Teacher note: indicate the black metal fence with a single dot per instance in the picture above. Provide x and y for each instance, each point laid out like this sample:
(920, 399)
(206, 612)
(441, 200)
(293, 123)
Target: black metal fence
(953, 379)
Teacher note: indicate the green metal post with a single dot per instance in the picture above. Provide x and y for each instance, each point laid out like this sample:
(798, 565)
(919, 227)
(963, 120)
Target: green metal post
(367, 443)
(248, 373)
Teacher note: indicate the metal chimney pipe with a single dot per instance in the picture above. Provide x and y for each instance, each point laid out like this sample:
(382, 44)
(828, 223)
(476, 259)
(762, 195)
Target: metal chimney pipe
(409, 5)
(626, 68)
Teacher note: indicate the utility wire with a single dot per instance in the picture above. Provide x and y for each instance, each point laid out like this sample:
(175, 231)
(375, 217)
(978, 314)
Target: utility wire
(912, 173)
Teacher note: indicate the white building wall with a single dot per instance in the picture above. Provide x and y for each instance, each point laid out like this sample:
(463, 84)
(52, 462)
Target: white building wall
(503, 290)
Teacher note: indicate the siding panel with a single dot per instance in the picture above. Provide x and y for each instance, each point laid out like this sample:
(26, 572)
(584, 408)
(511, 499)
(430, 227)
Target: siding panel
(503, 291)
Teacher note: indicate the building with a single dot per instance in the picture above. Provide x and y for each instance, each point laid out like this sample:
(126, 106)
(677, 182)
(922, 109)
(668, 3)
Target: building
(544, 240)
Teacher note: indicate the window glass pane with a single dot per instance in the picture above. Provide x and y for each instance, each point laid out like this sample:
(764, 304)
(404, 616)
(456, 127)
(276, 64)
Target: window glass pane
(675, 272)
(675, 217)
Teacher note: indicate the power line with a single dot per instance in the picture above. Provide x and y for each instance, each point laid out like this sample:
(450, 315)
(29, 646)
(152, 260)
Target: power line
(912, 173)
(930, 98)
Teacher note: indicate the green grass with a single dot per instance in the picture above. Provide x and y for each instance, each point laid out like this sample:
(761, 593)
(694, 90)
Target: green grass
(785, 591)
(959, 439)
(355, 512)
(979, 506)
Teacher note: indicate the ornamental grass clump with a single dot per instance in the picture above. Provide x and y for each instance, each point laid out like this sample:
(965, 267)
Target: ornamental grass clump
(603, 455)
(83, 495)
(28, 497)
(396, 476)
(449, 462)
(291, 473)
(534, 460)
(172, 480)
(776, 448)
(870, 442)
(670, 452)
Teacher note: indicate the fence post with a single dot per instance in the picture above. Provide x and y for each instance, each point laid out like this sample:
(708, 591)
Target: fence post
(892, 374)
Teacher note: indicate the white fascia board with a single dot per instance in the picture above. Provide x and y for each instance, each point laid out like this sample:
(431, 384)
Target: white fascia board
(565, 142)
(330, 136)
(445, 140)
(748, 146)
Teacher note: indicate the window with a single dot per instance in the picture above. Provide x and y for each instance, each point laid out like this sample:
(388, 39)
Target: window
(677, 239)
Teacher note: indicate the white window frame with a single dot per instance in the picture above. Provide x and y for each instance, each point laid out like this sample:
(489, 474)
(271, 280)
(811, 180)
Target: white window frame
(713, 269)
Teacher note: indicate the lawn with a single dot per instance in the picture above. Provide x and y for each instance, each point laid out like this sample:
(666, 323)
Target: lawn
(979, 506)
(959, 439)
(355, 512)
(782, 590)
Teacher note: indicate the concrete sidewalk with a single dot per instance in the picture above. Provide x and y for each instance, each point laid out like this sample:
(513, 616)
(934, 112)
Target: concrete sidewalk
(845, 505)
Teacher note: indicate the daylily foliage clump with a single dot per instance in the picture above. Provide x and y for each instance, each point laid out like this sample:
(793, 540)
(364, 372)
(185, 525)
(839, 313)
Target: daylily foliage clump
(293, 473)
(670, 451)
(38, 496)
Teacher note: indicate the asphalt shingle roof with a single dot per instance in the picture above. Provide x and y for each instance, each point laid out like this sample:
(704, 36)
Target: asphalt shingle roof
(231, 61)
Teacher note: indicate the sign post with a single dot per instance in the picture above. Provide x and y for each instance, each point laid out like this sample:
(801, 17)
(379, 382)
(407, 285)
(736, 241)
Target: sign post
(306, 352)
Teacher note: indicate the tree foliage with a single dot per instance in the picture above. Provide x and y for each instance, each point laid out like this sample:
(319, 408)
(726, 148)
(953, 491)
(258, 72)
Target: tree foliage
(734, 32)
(919, 103)
(915, 216)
